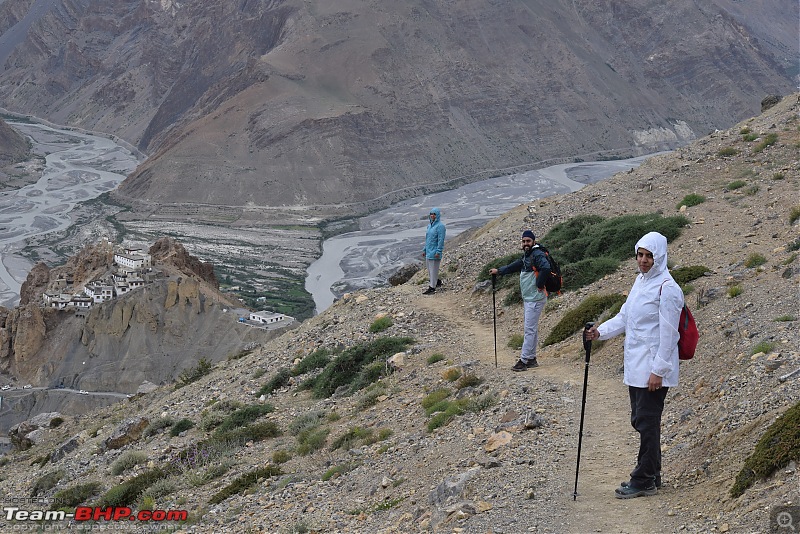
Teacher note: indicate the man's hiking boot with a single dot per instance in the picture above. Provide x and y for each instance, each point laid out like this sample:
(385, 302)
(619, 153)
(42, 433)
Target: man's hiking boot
(629, 492)
(429, 291)
(657, 481)
(524, 366)
(439, 282)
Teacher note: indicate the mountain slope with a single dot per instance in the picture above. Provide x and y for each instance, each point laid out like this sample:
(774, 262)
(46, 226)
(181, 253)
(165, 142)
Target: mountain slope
(289, 103)
(507, 463)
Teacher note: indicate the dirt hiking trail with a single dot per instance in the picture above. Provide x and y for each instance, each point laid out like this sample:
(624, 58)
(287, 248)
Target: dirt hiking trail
(609, 442)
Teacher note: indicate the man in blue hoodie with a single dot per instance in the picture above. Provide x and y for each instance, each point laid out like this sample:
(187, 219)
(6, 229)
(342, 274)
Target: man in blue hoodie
(532, 268)
(434, 247)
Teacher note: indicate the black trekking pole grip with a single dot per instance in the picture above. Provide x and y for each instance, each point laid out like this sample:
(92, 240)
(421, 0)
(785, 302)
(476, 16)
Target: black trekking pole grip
(587, 345)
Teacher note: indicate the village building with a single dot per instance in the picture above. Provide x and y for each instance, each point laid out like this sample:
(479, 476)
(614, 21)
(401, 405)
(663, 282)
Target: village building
(133, 259)
(267, 317)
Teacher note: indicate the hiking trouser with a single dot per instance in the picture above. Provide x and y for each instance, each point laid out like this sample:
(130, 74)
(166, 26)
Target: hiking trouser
(646, 409)
(533, 310)
(433, 272)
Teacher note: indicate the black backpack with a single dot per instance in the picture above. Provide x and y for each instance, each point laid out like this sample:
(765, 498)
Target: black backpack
(553, 282)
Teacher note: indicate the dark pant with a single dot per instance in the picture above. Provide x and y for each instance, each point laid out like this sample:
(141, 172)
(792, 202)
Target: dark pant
(646, 409)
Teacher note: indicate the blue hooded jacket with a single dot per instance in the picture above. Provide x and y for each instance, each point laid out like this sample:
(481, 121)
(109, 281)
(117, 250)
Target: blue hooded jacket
(434, 237)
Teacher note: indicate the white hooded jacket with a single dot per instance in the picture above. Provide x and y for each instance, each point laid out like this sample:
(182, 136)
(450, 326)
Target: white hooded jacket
(649, 319)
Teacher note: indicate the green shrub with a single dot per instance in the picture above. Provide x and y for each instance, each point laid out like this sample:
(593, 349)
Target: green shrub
(481, 403)
(160, 489)
(380, 324)
(515, 341)
(316, 360)
(778, 176)
(281, 456)
(690, 273)
(245, 482)
(181, 426)
(794, 215)
(608, 238)
(158, 424)
(306, 421)
(691, 200)
(469, 380)
(278, 381)
(727, 151)
(338, 470)
(779, 446)
(347, 440)
(736, 184)
(589, 247)
(750, 137)
(46, 482)
(451, 410)
(434, 398)
(786, 318)
(735, 291)
(244, 416)
(195, 373)
(754, 260)
(75, 495)
(768, 141)
(56, 422)
(255, 432)
(127, 460)
(311, 440)
(452, 374)
(764, 346)
(584, 272)
(590, 309)
(351, 367)
(125, 494)
(744, 131)
(433, 358)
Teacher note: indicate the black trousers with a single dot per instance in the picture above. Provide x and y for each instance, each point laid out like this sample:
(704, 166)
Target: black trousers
(646, 409)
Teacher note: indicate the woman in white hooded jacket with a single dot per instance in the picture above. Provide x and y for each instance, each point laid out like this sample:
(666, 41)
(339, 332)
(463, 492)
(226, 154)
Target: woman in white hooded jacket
(649, 319)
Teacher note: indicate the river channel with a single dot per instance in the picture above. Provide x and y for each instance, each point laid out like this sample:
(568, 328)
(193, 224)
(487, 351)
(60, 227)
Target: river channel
(78, 167)
(394, 237)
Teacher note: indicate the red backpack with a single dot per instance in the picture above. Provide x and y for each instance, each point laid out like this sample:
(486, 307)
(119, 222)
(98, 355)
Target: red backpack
(688, 335)
(687, 330)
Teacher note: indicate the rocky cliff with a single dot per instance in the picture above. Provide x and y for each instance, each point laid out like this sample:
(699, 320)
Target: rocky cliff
(149, 335)
(13, 147)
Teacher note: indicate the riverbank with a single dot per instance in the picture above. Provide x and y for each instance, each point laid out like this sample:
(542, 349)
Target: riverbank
(391, 238)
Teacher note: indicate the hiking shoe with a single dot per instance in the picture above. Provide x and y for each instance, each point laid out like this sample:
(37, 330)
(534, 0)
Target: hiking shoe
(439, 282)
(520, 366)
(531, 364)
(429, 291)
(657, 480)
(629, 492)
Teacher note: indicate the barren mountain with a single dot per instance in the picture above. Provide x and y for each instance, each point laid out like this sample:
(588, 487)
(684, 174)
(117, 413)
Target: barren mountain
(278, 104)
(249, 448)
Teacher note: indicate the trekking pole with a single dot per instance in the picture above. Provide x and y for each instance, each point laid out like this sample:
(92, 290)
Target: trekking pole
(494, 320)
(587, 345)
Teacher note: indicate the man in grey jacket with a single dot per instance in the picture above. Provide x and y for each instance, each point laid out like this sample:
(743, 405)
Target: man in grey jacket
(533, 268)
